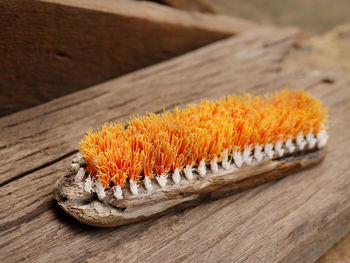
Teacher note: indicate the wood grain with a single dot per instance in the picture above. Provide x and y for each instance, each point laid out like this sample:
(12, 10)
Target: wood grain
(50, 48)
(291, 220)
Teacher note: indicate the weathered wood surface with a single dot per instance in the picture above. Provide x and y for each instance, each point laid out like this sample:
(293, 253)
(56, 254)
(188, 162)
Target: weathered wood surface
(292, 220)
(50, 48)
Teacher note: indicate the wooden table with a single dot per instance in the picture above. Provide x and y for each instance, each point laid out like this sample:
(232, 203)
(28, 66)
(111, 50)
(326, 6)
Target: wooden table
(295, 219)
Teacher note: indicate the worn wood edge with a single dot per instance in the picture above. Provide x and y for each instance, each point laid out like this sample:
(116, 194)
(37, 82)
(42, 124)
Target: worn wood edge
(88, 209)
(190, 5)
(163, 14)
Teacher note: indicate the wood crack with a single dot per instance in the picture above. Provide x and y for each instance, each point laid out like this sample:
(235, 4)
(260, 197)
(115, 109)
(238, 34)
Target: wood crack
(28, 217)
(35, 169)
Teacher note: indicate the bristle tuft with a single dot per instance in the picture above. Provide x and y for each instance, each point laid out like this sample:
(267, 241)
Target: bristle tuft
(290, 146)
(214, 165)
(162, 180)
(100, 191)
(80, 175)
(301, 141)
(117, 192)
(268, 149)
(202, 169)
(258, 154)
(279, 148)
(188, 172)
(176, 176)
(225, 161)
(88, 185)
(134, 187)
(148, 184)
(238, 159)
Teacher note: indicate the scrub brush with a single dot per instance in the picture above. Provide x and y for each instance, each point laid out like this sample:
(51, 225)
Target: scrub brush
(158, 163)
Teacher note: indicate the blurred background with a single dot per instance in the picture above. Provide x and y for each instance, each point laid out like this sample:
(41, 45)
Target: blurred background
(325, 26)
(314, 16)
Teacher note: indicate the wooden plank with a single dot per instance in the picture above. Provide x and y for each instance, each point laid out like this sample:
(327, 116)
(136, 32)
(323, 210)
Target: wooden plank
(294, 219)
(54, 47)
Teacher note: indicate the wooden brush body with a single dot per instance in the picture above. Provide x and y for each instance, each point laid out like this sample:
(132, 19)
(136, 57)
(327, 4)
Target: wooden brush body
(111, 212)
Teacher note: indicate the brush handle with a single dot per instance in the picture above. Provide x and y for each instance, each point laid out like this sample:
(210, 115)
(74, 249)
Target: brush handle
(112, 212)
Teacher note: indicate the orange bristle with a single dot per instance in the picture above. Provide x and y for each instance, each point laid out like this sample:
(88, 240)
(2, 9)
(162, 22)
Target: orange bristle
(158, 144)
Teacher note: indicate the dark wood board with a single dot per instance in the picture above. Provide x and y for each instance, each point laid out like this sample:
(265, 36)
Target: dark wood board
(50, 48)
(295, 219)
